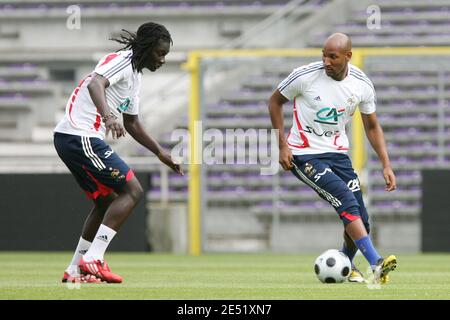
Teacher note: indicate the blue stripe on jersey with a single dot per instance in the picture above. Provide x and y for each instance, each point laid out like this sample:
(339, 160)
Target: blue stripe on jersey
(365, 80)
(315, 65)
(360, 73)
(126, 58)
(118, 67)
(303, 72)
(124, 66)
(363, 76)
(307, 67)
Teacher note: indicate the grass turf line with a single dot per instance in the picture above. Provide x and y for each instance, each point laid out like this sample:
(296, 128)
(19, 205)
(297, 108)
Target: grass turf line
(217, 276)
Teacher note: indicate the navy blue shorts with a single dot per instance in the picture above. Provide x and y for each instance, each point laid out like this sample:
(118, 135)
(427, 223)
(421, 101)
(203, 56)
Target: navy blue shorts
(332, 176)
(97, 168)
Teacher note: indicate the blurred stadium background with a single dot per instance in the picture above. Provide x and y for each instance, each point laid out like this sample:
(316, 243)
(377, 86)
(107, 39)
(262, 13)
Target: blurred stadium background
(45, 51)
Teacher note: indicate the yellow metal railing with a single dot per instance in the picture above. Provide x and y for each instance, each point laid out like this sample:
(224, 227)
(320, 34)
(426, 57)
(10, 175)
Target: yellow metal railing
(193, 66)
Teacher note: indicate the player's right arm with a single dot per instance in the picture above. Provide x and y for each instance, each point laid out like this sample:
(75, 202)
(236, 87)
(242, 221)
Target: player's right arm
(96, 88)
(276, 102)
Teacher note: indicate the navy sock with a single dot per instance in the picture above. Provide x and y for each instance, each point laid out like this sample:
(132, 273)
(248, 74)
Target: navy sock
(367, 249)
(350, 253)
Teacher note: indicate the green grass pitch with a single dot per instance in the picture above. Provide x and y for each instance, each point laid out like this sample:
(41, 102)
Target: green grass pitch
(217, 276)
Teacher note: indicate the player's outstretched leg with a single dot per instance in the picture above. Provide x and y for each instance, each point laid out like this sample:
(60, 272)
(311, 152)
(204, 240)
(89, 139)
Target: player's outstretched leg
(381, 267)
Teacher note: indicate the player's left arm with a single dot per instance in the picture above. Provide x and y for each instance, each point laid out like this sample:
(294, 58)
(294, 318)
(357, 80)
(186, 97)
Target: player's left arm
(135, 128)
(375, 136)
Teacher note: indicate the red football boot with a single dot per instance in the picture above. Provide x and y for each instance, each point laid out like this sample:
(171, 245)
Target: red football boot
(99, 269)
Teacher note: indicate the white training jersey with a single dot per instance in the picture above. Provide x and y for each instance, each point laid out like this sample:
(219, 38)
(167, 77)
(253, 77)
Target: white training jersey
(122, 95)
(323, 106)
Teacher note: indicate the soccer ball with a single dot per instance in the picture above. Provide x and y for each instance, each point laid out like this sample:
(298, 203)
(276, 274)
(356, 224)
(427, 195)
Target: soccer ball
(332, 266)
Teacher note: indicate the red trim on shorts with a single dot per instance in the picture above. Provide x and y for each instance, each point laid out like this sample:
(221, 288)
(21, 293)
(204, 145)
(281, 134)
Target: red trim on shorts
(130, 175)
(349, 216)
(102, 190)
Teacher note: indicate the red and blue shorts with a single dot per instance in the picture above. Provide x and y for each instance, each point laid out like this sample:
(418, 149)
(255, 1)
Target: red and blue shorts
(97, 168)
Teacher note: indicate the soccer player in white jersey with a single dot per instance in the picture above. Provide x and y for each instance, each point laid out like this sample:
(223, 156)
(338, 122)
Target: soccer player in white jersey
(325, 96)
(92, 111)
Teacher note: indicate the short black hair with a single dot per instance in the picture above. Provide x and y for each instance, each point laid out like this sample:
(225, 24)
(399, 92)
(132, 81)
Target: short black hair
(146, 37)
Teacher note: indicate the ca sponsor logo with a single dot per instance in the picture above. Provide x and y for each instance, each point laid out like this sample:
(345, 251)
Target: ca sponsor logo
(124, 105)
(329, 115)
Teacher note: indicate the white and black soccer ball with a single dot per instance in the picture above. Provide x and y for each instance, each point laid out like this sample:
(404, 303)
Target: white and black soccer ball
(332, 266)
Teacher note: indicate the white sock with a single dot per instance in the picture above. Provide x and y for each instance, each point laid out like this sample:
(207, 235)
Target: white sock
(82, 248)
(100, 243)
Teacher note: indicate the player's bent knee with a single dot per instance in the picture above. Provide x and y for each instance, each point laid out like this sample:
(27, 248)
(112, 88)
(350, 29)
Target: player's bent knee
(134, 189)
